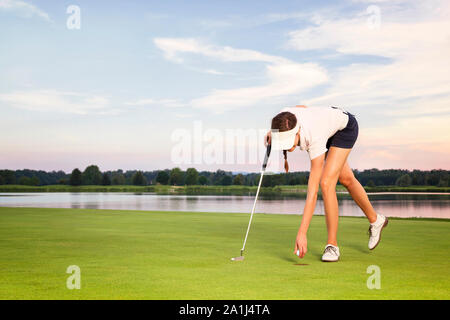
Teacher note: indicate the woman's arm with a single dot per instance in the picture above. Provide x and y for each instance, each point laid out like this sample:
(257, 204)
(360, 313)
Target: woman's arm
(311, 200)
(313, 189)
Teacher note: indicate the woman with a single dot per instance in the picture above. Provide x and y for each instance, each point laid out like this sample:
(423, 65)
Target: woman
(326, 134)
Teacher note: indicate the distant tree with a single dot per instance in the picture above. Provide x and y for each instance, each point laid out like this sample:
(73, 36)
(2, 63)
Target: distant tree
(249, 179)
(388, 177)
(75, 178)
(203, 180)
(162, 177)
(92, 175)
(138, 179)
(106, 180)
(435, 177)
(218, 176)
(370, 183)
(292, 180)
(24, 181)
(226, 180)
(176, 177)
(150, 176)
(191, 176)
(277, 179)
(238, 180)
(404, 181)
(267, 181)
(35, 181)
(443, 183)
(9, 176)
(296, 178)
(207, 177)
(118, 179)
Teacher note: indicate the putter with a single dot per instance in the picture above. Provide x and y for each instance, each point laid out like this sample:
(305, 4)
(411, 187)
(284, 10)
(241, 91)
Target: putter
(266, 158)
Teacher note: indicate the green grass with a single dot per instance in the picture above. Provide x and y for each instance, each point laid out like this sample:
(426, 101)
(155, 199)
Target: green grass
(68, 188)
(407, 189)
(178, 255)
(208, 190)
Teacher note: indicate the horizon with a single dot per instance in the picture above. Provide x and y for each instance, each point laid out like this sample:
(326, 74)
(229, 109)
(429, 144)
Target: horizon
(123, 85)
(199, 171)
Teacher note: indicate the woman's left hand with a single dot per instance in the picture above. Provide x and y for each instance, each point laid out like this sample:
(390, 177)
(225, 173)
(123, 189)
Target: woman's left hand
(268, 138)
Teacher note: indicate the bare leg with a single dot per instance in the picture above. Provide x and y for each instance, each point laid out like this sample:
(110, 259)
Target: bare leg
(335, 160)
(356, 190)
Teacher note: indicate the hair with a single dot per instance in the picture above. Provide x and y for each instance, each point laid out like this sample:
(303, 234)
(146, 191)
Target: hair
(284, 121)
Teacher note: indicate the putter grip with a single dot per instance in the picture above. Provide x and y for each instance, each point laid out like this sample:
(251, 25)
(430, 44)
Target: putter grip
(266, 158)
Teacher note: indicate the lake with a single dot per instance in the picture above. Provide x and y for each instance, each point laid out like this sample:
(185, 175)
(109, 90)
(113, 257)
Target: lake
(406, 205)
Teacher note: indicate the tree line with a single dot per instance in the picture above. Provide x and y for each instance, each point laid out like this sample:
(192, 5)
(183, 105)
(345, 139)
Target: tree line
(92, 175)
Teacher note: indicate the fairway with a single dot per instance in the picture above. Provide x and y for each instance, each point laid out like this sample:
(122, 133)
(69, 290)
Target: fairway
(181, 255)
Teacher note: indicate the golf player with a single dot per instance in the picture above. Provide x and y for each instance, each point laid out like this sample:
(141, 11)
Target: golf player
(328, 135)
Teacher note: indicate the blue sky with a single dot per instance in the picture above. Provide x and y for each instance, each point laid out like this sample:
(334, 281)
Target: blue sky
(114, 91)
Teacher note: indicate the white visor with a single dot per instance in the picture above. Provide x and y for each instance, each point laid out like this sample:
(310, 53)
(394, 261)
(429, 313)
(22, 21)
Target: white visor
(283, 140)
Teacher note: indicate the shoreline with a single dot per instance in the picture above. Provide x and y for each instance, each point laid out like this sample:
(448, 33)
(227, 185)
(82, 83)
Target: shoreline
(217, 190)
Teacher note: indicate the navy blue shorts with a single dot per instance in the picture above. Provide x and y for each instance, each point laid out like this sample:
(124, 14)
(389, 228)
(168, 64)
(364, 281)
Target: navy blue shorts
(346, 137)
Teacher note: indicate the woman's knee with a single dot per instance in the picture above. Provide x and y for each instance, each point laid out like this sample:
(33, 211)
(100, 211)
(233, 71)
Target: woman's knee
(327, 184)
(347, 180)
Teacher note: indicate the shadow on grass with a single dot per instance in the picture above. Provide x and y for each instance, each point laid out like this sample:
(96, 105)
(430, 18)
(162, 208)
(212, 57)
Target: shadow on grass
(358, 247)
(287, 258)
(295, 260)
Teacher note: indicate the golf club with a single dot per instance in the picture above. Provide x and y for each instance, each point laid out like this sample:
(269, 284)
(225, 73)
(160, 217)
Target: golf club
(241, 257)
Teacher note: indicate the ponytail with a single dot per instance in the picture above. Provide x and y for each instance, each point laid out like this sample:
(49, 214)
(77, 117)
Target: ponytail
(286, 165)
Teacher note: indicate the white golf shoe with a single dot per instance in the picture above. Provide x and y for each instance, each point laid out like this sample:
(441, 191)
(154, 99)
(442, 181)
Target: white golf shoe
(375, 231)
(331, 253)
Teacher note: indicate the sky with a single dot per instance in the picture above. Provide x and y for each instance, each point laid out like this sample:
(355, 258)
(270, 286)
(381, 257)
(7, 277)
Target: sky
(152, 85)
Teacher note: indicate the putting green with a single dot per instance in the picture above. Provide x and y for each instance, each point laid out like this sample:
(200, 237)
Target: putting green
(179, 255)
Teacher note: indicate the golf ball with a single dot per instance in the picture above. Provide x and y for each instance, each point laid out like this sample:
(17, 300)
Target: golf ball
(298, 253)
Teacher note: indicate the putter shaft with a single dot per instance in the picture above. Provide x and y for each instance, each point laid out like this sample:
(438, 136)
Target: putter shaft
(266, 158)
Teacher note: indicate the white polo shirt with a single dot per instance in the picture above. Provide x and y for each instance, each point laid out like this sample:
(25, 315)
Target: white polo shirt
(317, 125)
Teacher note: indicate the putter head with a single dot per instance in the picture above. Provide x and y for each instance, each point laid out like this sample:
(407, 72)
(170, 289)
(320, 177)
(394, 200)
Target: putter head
(240, 258)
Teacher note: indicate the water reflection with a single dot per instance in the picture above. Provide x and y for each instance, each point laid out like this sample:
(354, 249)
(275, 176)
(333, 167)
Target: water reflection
(398, 205)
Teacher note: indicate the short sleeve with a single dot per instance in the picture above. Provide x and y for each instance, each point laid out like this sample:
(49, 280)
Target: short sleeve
(317, 148)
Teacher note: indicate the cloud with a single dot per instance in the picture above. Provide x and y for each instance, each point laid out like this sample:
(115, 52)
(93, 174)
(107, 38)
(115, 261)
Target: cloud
(284, 79)
(410, 87)
(24, 9)
(417, 52)
(215, 72)
(171, 103)
(173, 47)
(283, 76)
(58, 101)
(76, 103)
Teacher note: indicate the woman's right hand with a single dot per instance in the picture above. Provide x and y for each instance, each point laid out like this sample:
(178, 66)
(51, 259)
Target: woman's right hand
(267, 138)
(301, 245)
